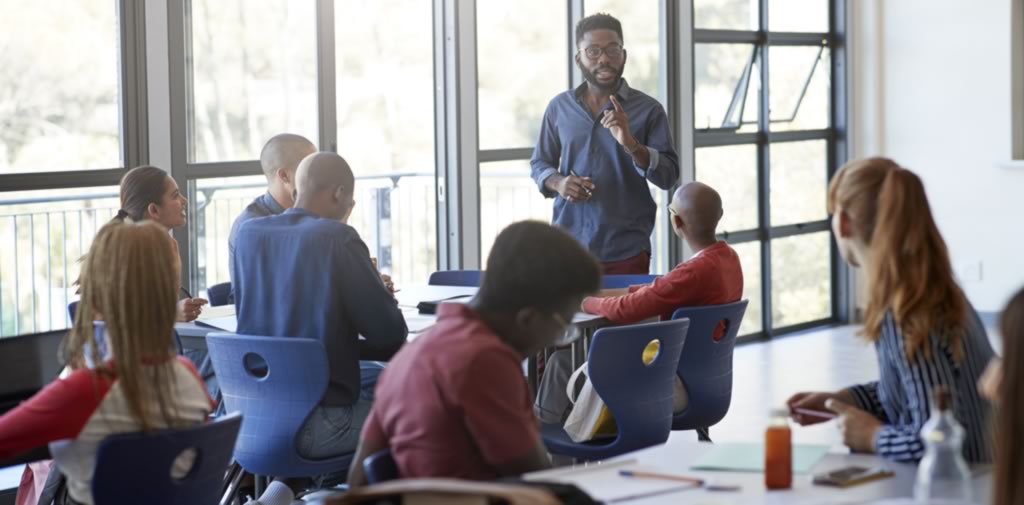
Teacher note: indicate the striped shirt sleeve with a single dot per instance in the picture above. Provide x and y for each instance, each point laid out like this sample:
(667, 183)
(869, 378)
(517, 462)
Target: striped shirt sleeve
(900, 439)
(865, 397)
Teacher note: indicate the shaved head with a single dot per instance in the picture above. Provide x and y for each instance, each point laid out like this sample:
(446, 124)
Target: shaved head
(700, 208)
(284, 151)
(324, 184)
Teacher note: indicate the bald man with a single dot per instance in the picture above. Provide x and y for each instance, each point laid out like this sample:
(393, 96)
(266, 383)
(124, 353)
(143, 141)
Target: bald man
(306, 273)
(711, 276)
(279, 159)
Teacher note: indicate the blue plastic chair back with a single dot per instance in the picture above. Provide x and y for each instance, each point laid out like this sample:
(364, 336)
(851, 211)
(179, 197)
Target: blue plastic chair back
(72, 309)
(705, 366)
(136, 467)
(469, 278)
(274, 401)
(218, 294)
(625, 280)
(638, 395)
(380, 467)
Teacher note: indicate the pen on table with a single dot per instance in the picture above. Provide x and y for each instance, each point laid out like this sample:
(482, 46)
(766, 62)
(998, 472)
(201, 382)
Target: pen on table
(815, 413)
(187, 294)
(662, 476)
(574, 174)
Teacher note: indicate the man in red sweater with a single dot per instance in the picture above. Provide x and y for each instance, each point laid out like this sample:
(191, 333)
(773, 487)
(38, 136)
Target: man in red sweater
(712, 276)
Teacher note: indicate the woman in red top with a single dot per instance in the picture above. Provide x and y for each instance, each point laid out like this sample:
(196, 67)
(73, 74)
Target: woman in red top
(131, 278)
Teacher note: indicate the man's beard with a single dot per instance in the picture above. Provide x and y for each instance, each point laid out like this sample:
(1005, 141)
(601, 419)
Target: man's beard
(591, 77)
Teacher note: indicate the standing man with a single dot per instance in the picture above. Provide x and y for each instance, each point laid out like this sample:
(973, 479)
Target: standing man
(599, 145)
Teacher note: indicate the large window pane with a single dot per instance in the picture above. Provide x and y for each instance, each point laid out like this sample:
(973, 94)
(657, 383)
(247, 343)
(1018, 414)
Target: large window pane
(800, 87)
(506, 196)
(59, 93)
(640, 28)
(216, 205)
(45, 233)
(725, 14)
(726, 87)
(750, 261)
(798, 15)
(801, 279)
(798, 182)
(732, 171)
(386, 127)
(254, 75)
(522, 63)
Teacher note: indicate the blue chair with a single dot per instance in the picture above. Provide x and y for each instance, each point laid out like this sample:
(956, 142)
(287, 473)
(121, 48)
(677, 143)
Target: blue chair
(469, 278)
(274, 401)
(625, 280)
(136, 467)
(380, 467)
(638, 395)
(72, 309)
(219, 294)
(705, 366)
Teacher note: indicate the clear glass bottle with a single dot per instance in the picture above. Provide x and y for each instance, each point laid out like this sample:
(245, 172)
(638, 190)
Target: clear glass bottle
(942, 475)
(778, 452)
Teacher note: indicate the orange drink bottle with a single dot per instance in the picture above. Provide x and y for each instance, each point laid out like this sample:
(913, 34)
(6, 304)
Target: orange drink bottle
(778, 452)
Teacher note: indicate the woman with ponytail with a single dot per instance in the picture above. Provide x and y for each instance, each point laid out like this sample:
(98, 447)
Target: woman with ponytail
(150, 194)
(925, 332)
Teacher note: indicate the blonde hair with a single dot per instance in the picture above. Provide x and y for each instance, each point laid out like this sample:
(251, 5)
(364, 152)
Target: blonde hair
(908, 271)
(130, 280)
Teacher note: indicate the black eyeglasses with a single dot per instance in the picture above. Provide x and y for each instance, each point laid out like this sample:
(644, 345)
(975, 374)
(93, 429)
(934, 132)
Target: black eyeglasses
(613, 51)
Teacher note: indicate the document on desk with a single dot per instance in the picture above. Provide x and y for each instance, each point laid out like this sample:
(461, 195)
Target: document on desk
(749, 457)
(603, 482)
(219, 318)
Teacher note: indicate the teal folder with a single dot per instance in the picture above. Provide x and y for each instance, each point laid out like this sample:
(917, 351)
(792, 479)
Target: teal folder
(749, 457)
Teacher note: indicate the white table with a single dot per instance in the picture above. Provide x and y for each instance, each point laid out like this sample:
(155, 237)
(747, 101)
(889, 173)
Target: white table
(682, 450)
(193, 335)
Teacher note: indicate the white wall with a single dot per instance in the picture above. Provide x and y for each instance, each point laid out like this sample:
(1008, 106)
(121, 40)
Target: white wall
(931, 88)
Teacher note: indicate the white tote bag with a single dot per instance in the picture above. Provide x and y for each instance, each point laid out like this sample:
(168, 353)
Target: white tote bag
(589, 417)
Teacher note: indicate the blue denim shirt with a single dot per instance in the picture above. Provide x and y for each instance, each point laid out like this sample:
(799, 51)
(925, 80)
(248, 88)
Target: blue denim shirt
(616, 223)
(300, 275)
(263, 206)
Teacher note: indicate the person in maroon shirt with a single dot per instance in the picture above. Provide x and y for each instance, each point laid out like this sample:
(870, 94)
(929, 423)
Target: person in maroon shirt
(711, 276)
(454, 402)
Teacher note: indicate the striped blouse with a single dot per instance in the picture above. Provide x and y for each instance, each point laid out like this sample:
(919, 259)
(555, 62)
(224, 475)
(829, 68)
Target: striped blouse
(901, 398)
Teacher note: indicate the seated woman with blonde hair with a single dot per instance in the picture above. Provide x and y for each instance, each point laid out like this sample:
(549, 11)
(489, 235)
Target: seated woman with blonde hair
(130, 281)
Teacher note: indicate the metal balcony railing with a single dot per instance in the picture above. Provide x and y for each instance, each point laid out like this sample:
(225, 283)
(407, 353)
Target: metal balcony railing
(42, 238)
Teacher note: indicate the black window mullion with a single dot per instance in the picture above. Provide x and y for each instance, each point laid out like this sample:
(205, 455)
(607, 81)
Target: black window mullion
(764, 176)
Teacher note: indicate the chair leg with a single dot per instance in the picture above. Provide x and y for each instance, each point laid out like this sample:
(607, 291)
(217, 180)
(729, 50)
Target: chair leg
(232, 480)
(704, 434)
(259, 486)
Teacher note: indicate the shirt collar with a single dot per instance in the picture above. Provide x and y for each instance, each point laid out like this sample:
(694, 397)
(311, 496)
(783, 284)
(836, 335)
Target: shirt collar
(716, 245)
(622, 93)
(271, 204)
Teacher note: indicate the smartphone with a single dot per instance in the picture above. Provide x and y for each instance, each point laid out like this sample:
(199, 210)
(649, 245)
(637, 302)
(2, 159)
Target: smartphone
(851, 476)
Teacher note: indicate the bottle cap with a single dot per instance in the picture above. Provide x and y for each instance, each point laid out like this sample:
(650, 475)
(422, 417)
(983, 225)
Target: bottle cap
(941, 397)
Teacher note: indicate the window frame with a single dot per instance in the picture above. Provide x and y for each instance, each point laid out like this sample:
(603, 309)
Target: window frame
(132, 115)
(836, 153)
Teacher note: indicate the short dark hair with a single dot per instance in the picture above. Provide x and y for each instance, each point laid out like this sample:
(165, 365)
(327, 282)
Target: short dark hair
(533, 264)
(599, 21)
